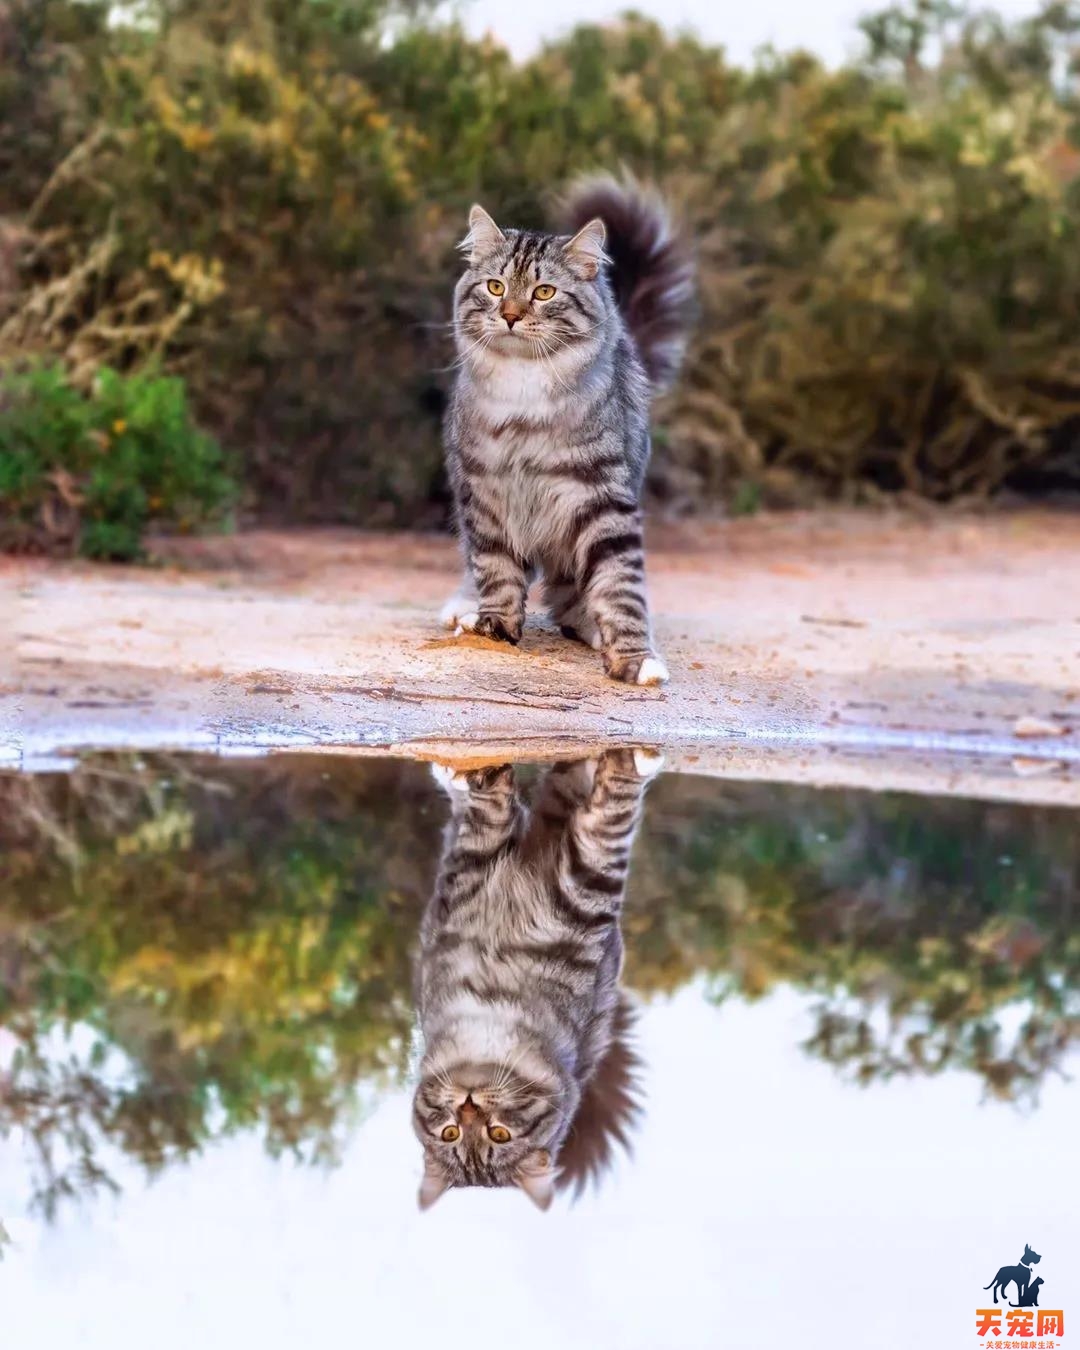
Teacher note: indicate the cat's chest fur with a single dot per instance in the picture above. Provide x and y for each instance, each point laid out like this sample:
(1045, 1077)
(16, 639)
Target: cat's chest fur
(521, 437)
(523, 487)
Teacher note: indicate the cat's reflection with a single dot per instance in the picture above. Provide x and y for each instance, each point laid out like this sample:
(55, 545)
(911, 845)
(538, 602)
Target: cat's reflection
(527, 1078)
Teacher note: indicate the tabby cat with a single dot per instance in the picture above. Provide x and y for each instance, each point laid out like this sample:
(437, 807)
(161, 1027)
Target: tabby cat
(562, 339)
(517, 979)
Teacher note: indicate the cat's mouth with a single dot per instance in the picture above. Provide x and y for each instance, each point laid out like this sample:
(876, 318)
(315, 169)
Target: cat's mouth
(517, 344)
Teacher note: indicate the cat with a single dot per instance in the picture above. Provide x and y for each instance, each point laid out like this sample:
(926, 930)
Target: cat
(1030, 1297)
(523, 1023)
(562, 339)
(1020, 1273)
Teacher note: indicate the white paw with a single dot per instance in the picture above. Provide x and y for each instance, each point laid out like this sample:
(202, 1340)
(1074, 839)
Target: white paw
(449, 779)
(587, 631)
(584, 627)
(451, 613)
(653, 671)
(467, 623)
(648, 763)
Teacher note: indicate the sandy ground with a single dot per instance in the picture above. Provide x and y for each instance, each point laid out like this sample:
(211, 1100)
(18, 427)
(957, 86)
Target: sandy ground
(938, 654)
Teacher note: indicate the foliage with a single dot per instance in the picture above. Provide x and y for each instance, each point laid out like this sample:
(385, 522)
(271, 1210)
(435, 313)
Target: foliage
(242, 948)
(93, 471)
(896, 293)
(267, 195)
(188, 950)
(915, 924)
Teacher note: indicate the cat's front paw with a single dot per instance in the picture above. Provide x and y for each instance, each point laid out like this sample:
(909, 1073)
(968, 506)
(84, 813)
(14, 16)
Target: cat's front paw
(648, 762)
(450, 780)
(639, 764)
(652, 671)
(486, 623)
(491, 778)
(456, 608)
(636, 668)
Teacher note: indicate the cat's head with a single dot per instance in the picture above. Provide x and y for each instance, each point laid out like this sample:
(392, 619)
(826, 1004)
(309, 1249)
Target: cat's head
(529, 294)
(488, 1125)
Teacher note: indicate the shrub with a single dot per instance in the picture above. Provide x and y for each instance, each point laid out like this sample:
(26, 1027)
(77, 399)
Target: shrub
(892, 300)
(265, 195)
(92, 472)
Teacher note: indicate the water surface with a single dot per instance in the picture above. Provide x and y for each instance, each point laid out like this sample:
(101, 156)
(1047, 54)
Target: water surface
(856, 1014)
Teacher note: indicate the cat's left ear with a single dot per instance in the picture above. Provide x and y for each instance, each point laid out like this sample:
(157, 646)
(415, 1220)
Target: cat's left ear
(585, 252)
(536, 1177)
(484, 235)
(435, 1182)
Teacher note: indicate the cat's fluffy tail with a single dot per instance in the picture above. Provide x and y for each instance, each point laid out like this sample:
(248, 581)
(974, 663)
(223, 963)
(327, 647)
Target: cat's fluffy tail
(652, 271)
(610, 1104)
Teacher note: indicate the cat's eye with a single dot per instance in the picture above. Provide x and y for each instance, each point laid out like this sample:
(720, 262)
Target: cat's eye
(498, 1134)
(496, 287)
(450, 1133)
(544, 292)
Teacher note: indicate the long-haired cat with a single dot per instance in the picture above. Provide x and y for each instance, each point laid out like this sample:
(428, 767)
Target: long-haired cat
(562, 340)
(524, 1026)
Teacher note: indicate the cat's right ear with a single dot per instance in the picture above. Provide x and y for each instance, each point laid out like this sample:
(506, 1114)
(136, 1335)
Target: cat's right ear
(435, 1182)
(484, 235)
(536, 1177)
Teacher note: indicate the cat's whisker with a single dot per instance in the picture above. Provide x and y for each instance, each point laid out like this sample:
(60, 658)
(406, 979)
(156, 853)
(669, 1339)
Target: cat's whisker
(545, 358)
(531, 1083)
(484, 341)
(534, 1101)
(442, 1078)
(506, 1069)
(565, 330)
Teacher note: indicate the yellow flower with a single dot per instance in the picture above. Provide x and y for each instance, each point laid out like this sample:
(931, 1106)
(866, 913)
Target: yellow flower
(195, 138)
(119, 427)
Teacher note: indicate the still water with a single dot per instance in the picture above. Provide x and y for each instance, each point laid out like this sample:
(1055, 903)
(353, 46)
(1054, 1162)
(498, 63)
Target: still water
(829, 1094)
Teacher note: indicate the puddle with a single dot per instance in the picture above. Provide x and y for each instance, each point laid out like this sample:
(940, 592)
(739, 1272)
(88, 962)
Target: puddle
(824, 1101)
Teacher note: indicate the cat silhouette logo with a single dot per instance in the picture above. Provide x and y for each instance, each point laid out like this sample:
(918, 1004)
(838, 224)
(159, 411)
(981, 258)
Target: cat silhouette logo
(1022, 1318)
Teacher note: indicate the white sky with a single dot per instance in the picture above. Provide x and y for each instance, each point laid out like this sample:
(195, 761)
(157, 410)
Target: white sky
(768, 1205)
(826, 26)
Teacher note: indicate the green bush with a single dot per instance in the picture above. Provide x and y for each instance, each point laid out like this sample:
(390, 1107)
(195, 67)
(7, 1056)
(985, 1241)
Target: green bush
(266, 194)
(93, 472)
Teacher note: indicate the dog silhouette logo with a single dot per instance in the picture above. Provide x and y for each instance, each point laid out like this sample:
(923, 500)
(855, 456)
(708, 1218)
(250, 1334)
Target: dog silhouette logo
(1021, 1274)
(1023, 1316)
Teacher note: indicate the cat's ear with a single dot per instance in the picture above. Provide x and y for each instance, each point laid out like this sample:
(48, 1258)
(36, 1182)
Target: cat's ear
(585, 252)
(536, 1177)
(435, 1182)
(484, 235)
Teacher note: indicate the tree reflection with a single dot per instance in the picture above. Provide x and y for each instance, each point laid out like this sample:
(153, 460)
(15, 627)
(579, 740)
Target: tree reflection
(232, 948)
(191, 949)
(935, 933)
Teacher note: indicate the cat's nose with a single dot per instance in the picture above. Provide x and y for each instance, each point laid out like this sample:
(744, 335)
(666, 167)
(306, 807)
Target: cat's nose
(467, 1112)
(511, 313)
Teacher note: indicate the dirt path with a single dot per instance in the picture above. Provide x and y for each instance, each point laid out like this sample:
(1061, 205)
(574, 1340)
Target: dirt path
(858, 649)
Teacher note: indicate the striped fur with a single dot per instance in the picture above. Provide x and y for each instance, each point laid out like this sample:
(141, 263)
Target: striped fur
(547, 433)
(517, 978)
